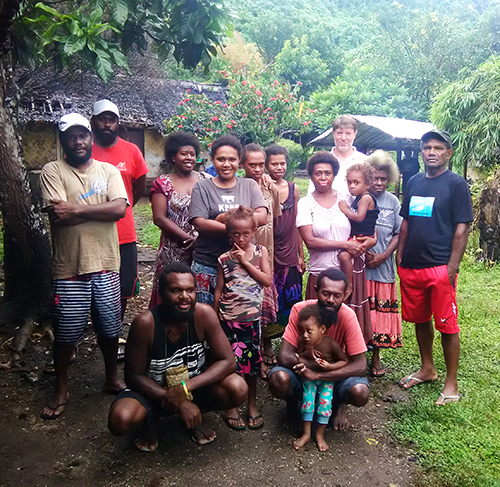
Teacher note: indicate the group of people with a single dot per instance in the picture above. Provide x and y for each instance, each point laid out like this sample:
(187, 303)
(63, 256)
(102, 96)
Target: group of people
(229, 275)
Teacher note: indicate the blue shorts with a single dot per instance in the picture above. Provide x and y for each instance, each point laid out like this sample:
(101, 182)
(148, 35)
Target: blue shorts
(97, 294)
(341, 389)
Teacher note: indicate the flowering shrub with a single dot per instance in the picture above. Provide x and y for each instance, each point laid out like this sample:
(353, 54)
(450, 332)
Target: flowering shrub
(256, 111)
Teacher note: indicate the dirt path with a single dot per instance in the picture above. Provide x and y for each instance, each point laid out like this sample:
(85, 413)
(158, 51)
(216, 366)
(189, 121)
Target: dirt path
(77, 449)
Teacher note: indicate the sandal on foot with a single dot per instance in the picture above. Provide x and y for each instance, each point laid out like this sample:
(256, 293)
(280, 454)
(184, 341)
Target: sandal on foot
(378, 372)
(55, 415)
(444, 400)
(404, 381)
(201, 434)
(233, 426)
(258, 422)
(146, 446)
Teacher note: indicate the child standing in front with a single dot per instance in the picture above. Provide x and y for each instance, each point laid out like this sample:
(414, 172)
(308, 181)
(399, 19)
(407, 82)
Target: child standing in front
(242, 274)
(362, 215)
(320, 353)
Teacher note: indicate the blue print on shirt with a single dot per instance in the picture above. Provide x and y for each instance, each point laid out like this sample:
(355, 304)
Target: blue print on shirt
(421, 206)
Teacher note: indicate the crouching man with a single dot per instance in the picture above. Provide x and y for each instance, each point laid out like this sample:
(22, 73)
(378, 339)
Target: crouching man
(167, 369)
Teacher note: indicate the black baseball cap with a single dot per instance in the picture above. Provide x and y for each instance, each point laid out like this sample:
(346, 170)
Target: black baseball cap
(438, 134)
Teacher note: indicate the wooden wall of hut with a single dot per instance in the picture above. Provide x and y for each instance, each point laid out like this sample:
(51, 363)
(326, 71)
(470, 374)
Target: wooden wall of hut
(40, 144)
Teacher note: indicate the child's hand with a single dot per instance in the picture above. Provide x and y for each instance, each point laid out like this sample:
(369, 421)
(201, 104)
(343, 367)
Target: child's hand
(343, 206)
(239, 255)
(318, 358)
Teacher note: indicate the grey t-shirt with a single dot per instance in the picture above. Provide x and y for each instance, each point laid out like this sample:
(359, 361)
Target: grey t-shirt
(388, 224)
(208, 201)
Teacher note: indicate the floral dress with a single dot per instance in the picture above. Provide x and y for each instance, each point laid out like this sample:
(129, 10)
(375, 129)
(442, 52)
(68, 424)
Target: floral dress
(177, 212)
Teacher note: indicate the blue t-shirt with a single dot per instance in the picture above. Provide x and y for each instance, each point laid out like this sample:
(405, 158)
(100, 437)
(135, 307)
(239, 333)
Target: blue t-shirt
(433, 207)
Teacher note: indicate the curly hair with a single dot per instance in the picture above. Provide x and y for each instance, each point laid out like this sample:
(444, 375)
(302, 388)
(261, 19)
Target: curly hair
(383, 161)
(322, 157)
(230, 140)
(310, 311)
(176, 140)
(240, 213)
(365, 169)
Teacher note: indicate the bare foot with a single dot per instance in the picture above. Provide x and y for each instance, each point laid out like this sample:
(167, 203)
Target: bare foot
(416, 378)
(114, 387)
(202, 434)
(302, 441)
(340, 422)
(322, 444)
(55, 407)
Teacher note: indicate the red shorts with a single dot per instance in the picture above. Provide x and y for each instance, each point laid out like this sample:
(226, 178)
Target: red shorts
(426, 293)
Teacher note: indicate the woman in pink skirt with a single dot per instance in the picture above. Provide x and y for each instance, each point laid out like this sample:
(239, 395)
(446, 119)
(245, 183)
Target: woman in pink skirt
(380, 274)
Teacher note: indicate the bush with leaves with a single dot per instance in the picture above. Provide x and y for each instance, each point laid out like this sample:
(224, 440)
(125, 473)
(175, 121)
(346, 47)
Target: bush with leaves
(256, 111)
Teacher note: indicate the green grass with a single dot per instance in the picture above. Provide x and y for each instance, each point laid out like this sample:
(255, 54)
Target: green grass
(147, 232)
(303, 184)
(459, 444)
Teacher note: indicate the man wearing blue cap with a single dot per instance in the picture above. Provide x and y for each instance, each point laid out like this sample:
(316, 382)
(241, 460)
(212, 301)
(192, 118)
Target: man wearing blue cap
(83, 198)
(436, 213)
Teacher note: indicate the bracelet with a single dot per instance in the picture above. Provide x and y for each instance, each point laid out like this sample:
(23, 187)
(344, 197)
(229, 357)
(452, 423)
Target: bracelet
(189, 396)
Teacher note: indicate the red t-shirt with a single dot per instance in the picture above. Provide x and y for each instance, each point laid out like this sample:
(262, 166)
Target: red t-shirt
(128, 159)
(346, 332)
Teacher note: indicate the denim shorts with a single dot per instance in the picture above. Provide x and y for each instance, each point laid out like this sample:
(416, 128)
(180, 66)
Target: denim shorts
(341, 390)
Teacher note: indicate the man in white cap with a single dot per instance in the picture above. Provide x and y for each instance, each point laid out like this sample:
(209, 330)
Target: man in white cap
(84, 199)
(128, 159)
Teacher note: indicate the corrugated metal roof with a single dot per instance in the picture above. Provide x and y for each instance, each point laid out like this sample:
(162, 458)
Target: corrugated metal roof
(381, 133)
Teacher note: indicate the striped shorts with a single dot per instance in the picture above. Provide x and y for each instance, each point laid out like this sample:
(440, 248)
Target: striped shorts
(97, 294)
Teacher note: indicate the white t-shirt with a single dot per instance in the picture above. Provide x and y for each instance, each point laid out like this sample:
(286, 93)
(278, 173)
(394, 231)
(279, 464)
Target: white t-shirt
(340, 183)
(327, 223)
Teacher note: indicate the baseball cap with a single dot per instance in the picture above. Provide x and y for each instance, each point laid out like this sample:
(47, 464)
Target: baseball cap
(105, 106)
(438, 133)
(71, 120)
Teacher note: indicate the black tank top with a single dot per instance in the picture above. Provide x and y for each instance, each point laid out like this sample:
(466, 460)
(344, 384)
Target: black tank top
(164, 354)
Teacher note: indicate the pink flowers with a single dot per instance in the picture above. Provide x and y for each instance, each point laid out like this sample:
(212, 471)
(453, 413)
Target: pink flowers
(258, 92)
(305, 123)
(225, 105)
(299, 83)
(244, 83)
(217, 102)
(229, 126)
(215, 119)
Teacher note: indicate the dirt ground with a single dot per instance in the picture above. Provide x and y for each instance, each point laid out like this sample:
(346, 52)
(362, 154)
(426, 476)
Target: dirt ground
(77, 448)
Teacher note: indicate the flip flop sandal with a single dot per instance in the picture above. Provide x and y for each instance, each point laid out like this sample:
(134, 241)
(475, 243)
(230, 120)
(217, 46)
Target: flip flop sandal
(145, 448)
(411, 377)
(444, 400)
(203, 440)
(236, 427)
(55, 408)
(255, 426)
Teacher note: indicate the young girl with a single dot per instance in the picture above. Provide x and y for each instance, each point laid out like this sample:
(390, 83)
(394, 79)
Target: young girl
(362, 215)
(320, 353)
(242, 274)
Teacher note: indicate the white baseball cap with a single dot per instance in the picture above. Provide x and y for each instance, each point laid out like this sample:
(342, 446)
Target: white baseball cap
(71, 120)
(105, 106)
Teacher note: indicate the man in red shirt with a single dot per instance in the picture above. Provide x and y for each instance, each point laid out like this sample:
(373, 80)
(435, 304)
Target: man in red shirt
(351, 387)
(128, 159)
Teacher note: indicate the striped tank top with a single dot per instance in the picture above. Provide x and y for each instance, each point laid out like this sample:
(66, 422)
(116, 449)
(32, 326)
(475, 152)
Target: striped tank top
(165, 354)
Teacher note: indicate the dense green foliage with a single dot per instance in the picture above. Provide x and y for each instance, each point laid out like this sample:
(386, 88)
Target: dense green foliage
(95, 35)
(255, 111)
(470, 110)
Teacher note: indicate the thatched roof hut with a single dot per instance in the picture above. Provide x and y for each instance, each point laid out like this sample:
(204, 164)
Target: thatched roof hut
(144, 103)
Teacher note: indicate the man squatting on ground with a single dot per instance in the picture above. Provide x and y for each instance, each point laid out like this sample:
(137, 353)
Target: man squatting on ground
(84, 198)
(128, 159)
(167, 341)
(285, 381)
(436, 213)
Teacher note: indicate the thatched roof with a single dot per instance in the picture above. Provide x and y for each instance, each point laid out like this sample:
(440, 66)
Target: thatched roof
(142, 100)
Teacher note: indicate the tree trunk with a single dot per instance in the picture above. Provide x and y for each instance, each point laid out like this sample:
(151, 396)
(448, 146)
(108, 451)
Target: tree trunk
(26, 243)
(489, 219)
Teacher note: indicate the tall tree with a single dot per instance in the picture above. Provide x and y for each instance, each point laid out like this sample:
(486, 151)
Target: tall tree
(87, 35)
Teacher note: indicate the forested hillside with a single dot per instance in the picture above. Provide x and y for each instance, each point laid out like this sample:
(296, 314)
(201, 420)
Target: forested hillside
(362, 56)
